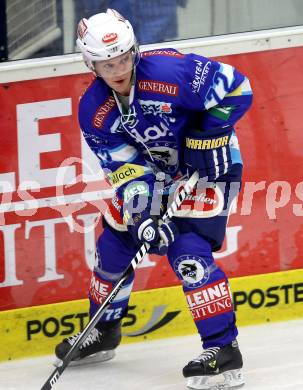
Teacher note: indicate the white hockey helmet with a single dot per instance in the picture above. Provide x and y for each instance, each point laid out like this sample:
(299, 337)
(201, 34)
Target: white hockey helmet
(104, 36)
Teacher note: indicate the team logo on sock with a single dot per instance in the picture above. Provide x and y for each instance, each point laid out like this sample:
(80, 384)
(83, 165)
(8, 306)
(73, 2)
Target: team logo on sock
(193, 270)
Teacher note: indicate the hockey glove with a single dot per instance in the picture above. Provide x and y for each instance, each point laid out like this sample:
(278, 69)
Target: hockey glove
(210, 155)
(146, 229)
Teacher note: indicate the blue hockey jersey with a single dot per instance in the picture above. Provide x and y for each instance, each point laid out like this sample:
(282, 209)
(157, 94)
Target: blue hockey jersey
(172, 93)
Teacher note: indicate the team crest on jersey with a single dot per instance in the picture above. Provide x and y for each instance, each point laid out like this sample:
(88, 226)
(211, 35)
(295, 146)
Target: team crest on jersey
(165, 155)
(193, 270)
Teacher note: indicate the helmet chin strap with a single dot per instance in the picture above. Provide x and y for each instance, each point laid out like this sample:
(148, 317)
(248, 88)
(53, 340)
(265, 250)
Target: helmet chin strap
(94, 70)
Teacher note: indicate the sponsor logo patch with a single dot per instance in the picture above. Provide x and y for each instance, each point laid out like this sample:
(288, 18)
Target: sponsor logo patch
(202, 203)
(166, 108)
(125, 173)
(110, 38)
(103, 111)
(99, 289)
(201, 72)
(210, 300)
(135, 189)
(207, 144)
(160, 52)
(193, 270)
(158, 87)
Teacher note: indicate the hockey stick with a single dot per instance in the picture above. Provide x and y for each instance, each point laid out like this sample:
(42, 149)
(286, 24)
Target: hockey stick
(186, 190)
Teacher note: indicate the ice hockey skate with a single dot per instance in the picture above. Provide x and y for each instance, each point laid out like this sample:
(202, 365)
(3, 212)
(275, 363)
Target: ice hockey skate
(216, 368)
(99, 346)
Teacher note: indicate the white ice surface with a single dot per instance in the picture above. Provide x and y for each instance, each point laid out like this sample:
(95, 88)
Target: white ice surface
(273, 356)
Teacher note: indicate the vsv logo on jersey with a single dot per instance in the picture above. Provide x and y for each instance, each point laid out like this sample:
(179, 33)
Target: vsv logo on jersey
(192, 270)
(165, 155)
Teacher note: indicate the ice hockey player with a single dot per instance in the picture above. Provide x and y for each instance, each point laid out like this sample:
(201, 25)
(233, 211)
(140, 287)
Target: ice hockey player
(151, 118)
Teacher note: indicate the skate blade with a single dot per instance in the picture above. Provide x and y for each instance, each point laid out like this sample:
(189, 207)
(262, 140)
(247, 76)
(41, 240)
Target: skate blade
(98, 357)
(232, 379)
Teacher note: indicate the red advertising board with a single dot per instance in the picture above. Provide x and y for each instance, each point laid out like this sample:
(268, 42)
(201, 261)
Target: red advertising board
(51, 201)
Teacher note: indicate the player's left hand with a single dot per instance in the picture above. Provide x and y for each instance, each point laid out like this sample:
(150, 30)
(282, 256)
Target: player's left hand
(158, 234)
(210, 155)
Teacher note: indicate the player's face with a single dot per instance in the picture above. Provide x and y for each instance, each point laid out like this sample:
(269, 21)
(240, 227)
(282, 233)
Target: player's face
(117, 72)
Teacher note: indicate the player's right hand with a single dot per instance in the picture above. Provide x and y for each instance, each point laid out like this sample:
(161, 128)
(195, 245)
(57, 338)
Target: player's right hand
(209, 154)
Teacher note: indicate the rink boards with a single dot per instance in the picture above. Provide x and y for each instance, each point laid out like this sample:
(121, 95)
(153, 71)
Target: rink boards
(52, 194)
(153, 314)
